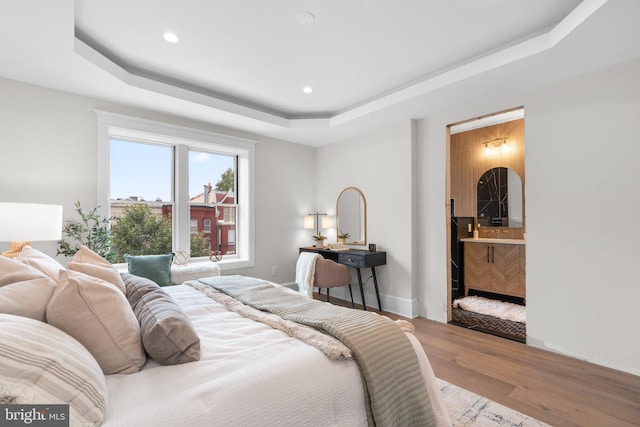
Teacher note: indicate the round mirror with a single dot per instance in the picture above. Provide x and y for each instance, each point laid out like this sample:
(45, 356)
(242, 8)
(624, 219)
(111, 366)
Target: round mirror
(500, 198)
(351, 217)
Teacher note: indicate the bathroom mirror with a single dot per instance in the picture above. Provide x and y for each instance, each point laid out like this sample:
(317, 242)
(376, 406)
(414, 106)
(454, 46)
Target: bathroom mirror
(500, 198)
(351, 216)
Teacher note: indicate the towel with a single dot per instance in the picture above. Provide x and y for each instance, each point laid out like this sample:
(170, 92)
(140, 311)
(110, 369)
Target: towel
(306, 272)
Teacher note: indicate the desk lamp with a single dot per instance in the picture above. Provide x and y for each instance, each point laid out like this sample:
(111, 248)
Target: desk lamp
(21, 223)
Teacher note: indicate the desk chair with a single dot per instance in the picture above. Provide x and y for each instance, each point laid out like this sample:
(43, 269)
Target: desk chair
(329, 274)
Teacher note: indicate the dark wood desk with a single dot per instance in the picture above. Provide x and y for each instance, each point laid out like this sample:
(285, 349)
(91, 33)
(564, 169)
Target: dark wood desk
(355, 258)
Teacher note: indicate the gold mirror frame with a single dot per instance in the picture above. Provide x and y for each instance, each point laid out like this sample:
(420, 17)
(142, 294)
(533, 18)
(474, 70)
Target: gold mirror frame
(352, 221)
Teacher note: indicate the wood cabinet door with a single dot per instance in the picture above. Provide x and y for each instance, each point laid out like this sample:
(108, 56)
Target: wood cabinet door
(497, 268)
(477, 268)
(505, 269)
(523, 274)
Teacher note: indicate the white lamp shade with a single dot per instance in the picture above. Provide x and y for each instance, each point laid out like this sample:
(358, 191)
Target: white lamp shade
(308, 222)
(327, 222)
(30, 222)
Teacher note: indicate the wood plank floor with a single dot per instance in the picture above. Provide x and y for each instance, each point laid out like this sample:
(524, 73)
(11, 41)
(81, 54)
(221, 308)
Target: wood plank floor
(552, 388)
(558, 390)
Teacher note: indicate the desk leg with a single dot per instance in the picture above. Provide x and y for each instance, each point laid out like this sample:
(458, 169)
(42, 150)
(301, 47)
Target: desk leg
(375, 283)
(364, 305)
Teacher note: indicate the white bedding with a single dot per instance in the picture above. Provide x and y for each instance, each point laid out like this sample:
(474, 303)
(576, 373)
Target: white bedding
(249, 374)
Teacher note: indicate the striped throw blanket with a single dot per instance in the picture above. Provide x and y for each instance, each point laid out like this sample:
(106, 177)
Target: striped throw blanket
(394, 387)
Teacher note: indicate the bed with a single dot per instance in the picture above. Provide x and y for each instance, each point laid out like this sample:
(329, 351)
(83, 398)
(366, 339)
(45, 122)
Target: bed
(246, 372)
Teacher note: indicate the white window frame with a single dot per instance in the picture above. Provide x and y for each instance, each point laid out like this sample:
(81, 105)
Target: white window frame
(206, 225)
(193, 226)
(111, 125)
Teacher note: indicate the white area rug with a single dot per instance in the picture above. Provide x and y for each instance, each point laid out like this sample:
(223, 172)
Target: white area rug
(467, 409)
(495, 308)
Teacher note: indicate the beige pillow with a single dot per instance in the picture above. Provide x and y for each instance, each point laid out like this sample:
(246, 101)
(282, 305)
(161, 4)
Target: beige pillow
(41, 364)
(41, 261)
(90, 263)
(97, 314)
(24, 290)
(168, 335)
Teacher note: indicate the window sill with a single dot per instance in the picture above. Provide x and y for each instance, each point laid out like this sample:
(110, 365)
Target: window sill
(230, 263)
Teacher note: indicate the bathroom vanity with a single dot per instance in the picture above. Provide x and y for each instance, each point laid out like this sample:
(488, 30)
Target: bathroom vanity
(495, 265)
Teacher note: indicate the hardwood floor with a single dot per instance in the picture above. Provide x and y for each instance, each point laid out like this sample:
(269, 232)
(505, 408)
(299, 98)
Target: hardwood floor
(552, 388)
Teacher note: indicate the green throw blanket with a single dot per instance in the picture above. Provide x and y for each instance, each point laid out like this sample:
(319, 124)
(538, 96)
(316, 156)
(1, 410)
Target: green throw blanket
(395, 393)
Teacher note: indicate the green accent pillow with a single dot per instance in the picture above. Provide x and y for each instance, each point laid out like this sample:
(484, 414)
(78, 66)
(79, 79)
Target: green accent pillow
(153, 267)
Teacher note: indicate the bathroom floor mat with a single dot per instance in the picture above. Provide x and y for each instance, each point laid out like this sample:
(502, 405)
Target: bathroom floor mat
(515, 331)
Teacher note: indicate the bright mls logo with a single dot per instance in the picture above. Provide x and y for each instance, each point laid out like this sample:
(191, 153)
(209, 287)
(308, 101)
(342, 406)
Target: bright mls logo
(34, 415)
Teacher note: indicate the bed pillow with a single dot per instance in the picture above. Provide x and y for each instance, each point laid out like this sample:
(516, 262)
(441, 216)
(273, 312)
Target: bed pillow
(168, 335)
(24, 290)
(41, 261)
(97, 314)
(40, 364)
(153, 267)
(90, 263)
(195, 271)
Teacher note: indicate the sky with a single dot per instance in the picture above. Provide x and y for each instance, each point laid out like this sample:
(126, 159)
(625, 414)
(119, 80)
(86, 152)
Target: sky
(145, 170)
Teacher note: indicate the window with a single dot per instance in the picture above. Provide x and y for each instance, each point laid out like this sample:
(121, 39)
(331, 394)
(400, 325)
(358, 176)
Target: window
(212, 185)
(229, 214)
(175, 179)
(141, 198)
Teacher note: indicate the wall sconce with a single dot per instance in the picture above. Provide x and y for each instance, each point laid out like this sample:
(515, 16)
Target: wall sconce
(495, 144)
(22, 222)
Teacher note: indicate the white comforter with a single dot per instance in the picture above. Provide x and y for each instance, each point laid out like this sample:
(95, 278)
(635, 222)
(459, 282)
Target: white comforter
(249, 375)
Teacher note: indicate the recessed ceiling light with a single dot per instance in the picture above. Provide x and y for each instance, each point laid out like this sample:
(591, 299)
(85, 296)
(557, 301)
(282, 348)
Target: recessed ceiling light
(306, 18)
(307, 89)
(170, 37)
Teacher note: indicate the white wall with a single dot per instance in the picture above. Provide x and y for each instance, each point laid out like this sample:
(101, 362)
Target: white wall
(583, 186)
(284, 194)
(431, 231)
(48, 155)
(379, 164)
(582, 147)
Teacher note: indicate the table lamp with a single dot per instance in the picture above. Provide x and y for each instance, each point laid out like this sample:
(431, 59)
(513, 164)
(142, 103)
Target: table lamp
(313, 220)
(21, 223)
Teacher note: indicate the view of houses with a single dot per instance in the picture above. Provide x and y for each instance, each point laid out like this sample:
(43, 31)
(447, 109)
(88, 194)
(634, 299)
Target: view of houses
(212, 213)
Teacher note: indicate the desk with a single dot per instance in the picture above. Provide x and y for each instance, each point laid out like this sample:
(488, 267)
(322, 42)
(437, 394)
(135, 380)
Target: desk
(355, 258)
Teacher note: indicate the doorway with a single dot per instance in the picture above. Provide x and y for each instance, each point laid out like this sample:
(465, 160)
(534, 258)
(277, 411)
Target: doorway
(486, 224)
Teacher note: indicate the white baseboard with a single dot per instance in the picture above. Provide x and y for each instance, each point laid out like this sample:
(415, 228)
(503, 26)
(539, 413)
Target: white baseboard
(291, 285)
(400, 306)
(391, 304)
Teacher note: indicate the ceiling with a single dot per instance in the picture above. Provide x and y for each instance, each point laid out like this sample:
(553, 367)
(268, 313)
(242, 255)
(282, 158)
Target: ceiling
(243, 64)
